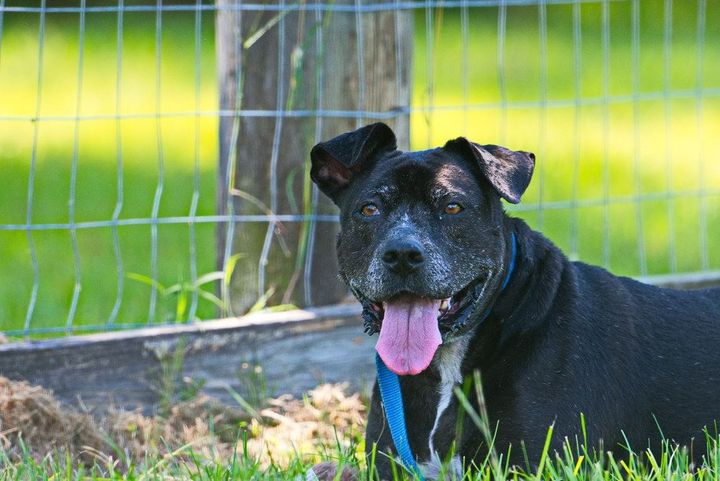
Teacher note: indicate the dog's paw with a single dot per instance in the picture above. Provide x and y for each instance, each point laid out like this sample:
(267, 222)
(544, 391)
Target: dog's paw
(327, 472)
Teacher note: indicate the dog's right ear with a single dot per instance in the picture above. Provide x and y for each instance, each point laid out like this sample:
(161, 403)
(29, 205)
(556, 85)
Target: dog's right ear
(335, 162)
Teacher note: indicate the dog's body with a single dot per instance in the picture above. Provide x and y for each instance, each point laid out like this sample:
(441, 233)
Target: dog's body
(426, 246)
(568, 338)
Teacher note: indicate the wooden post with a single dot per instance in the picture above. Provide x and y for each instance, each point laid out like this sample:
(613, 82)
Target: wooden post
(285, 63)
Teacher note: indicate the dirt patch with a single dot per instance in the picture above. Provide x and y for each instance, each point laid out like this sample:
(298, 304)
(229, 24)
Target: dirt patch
(276, 432)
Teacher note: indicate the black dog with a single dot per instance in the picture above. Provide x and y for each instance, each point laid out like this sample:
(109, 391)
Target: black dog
(426, 246)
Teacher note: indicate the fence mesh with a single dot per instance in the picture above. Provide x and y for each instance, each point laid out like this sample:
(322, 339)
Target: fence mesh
(109, 141)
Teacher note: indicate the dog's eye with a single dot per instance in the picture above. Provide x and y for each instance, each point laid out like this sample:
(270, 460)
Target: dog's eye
(453, 208)
(369, 210)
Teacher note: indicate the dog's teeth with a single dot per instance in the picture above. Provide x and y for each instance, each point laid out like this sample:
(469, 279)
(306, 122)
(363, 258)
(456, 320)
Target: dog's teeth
(444, 305)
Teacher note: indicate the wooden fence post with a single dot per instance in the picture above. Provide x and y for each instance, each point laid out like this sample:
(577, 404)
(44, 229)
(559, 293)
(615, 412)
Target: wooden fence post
(275, 69)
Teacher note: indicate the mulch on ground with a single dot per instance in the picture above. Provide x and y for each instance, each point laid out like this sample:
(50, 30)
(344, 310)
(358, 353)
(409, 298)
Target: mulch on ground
(33, 422)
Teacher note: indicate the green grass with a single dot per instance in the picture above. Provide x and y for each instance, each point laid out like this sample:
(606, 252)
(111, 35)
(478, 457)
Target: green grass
(219, 447)
(181, 464)
(574, 462)
(97, 192)
(551, 133)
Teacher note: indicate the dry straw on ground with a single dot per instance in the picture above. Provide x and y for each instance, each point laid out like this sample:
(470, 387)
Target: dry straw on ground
(33, 414)
(277, 432)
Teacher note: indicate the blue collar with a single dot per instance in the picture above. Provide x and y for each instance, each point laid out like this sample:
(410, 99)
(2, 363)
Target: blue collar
(391, 396)
(513, 257)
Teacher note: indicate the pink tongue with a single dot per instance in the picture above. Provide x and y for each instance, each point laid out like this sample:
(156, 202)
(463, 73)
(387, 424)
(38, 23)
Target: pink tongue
(409, 335)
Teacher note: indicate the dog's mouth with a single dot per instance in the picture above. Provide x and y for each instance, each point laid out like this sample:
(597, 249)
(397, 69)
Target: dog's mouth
(453, 313)
(412, 327)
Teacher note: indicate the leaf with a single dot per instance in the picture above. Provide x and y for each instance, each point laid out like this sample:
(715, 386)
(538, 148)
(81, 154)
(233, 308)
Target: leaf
(250, 41)
(280, 308)
(209, 277)
(242, 402)
(212, 298)
(230, 267)
(261, 303)
(181, 306)
(174, 289)
(145, 280)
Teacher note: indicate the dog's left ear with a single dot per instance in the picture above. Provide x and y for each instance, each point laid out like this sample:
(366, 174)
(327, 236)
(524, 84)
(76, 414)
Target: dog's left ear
(508, 171)
(337, 161)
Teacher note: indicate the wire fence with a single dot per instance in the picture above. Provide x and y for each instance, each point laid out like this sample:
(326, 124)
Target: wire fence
(112, 171)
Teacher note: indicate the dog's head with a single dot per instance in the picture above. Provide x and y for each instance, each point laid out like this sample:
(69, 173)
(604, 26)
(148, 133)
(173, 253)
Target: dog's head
(422, 243)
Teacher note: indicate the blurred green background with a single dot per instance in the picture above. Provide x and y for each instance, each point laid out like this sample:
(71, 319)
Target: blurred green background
(667, 153)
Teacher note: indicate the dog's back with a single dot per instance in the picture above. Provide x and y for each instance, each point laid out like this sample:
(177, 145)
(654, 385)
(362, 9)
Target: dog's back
(629, 356)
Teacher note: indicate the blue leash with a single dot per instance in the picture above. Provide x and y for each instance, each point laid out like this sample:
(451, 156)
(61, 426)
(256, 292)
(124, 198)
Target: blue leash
(392, 400)
(391, 396)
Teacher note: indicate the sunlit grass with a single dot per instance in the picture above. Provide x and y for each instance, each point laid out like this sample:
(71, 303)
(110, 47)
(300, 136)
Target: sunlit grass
(647, 149)
(139, 151)
(576, 461)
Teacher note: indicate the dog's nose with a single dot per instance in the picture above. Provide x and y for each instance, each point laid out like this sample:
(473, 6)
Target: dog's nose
(403, 256)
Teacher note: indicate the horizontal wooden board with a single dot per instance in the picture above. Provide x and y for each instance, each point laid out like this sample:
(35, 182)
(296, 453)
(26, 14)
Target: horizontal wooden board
(295, 350)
